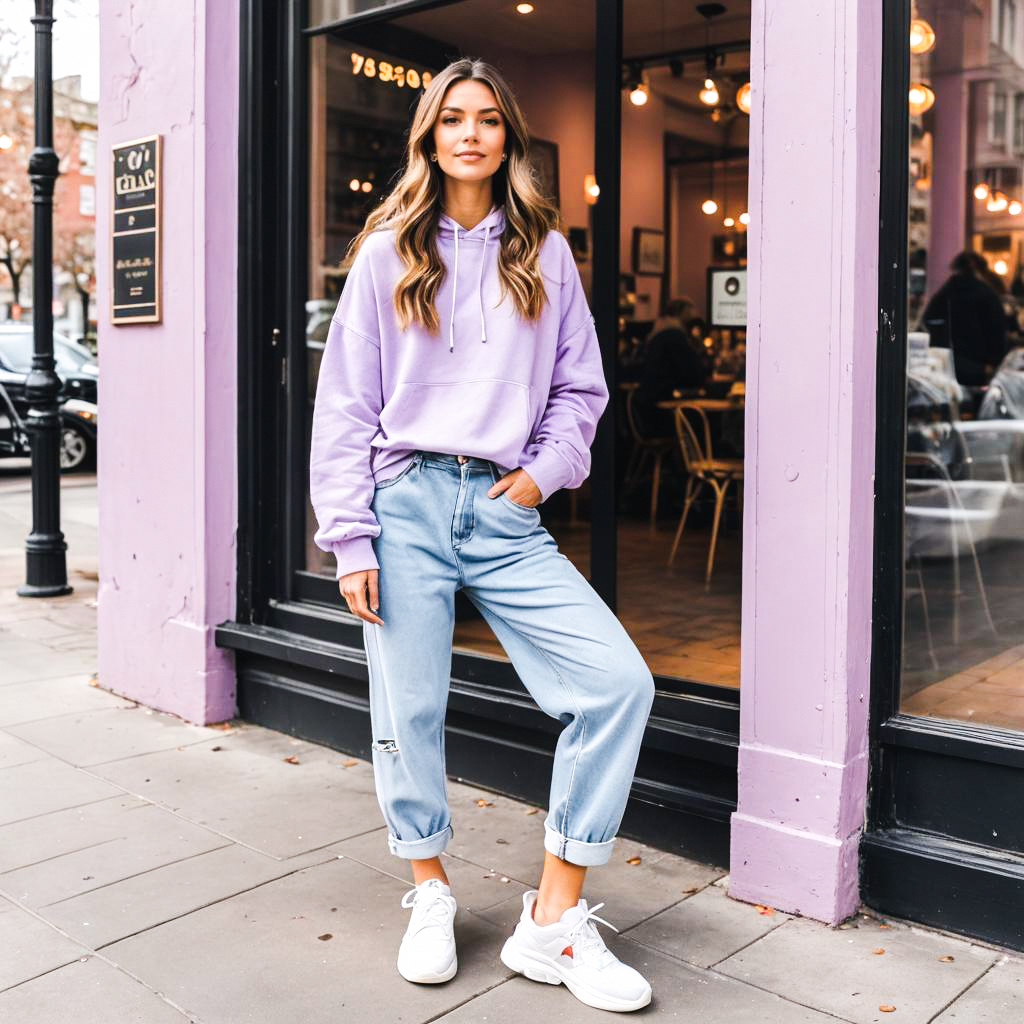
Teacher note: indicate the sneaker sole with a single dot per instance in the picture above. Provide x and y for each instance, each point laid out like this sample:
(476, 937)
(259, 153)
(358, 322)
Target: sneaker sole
(431, 977)
(538, 968)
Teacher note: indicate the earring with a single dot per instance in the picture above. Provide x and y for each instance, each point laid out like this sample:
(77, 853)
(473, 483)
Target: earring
(504, 155)
(433, 156)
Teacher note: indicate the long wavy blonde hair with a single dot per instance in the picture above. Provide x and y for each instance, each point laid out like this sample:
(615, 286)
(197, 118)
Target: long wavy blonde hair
(415, 205)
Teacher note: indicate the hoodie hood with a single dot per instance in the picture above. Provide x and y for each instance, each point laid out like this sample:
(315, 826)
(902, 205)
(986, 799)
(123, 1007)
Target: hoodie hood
(450, 237)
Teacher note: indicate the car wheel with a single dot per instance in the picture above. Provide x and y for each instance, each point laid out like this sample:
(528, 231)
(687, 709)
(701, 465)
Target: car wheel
(75, 446)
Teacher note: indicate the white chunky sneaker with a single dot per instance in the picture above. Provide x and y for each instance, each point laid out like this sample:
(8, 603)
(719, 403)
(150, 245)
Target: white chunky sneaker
(427, 951)
(570, 951)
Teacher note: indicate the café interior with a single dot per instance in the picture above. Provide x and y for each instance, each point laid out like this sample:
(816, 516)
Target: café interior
(678, 399)
(678, 394)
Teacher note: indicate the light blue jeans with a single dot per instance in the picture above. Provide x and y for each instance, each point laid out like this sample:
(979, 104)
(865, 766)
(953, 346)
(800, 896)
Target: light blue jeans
(441, 533)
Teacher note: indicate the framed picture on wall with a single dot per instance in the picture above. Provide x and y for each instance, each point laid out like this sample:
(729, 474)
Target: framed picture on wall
(543, 156)
(579, 242)
(648, 251)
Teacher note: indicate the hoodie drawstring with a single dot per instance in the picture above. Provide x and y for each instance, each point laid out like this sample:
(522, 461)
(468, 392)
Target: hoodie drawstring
(479, 289)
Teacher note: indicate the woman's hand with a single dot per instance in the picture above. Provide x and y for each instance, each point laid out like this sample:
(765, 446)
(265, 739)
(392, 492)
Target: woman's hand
(353, 587)
(519, 488)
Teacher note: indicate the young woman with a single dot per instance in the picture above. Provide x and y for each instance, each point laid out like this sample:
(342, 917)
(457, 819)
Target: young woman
(429, 457)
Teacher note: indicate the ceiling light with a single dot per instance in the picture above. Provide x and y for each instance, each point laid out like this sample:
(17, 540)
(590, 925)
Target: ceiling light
(1015, 207)
(709, 94)
(743, 98)
(1000, 266)
(524, 8)
(709, 206)
(639, 94)
(354, 184)
(997, 202)
(6, 141)
(922, 36)
(590, 189)
(921, 98)
(981, 190)
(744, 218)
(728, 222)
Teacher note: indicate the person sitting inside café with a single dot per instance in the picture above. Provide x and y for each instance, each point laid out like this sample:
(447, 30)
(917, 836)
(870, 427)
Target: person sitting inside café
(674, 359)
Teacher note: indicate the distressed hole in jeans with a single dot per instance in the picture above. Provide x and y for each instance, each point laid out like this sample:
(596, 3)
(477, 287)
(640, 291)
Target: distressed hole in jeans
(386, 746)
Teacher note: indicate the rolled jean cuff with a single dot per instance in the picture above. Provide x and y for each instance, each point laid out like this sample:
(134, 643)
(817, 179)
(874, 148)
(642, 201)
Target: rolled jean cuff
(421, 849)
(577, 851)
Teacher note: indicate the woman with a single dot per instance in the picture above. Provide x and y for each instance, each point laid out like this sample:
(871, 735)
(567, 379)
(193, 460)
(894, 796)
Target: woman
(429, 457)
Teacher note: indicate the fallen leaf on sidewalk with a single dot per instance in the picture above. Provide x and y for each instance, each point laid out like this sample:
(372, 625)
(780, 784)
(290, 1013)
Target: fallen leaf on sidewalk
(878, 952)
(947, 959)
(325, 936)
(533, 810)
(215, 749)
(761, 909)
(886, 1008)
(292, 760)
(633, 860)
(351, 763)
(223, 726)
(690, 891)
(484, 803)
(94, 681)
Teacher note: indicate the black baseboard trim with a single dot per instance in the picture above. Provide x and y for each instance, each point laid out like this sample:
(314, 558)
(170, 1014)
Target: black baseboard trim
(944, 883)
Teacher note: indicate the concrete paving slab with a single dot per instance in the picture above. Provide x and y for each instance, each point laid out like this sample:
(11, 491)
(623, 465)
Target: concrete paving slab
(62, 695)
(474, 888)
(251, 794)
(263, 956)
(111, 734)
(75, 828)
(30, 661)
(678, 993)
(143, 901)
(706, 927)
(40, 787)
(838, 971)
(14, 752)
(30, 948)
(996, 998)
(87, 992)
(148, 838)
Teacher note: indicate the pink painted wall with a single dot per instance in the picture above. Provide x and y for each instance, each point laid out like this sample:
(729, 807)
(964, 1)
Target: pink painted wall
(807, 555)
(167, 464)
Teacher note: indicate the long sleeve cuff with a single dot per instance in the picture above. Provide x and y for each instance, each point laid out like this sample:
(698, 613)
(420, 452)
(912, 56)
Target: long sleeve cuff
(354, 555)
(548, 470)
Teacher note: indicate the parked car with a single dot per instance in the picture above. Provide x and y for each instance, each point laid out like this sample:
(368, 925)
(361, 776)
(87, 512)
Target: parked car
(79, 424)
(76, 366)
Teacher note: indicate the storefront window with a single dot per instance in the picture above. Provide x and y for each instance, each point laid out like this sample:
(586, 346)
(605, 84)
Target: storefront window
(683, 257)
(963, 656)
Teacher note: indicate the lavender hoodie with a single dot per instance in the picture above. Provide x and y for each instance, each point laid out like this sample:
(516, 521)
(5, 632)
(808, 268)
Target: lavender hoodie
(520, 394)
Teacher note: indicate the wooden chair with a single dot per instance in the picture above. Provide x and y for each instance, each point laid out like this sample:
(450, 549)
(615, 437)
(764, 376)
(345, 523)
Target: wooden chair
(643, 449)
(703, 469)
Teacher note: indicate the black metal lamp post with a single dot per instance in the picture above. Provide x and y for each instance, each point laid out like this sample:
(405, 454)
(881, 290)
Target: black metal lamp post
(46, 565)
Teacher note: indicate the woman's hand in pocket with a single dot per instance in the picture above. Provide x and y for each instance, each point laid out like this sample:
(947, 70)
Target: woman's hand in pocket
(354, 586)
(519, 488)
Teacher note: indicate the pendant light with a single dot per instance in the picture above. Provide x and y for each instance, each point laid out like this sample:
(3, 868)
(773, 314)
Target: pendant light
(709, 95)
(922, 36)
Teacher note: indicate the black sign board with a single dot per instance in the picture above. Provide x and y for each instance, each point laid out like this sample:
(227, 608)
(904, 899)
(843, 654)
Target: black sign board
(135, 237)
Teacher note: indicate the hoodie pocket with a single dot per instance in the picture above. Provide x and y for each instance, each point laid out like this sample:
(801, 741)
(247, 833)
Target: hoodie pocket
(489, 417)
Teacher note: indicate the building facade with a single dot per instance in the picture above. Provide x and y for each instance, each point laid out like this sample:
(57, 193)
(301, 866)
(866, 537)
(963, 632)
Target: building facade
(797, 734)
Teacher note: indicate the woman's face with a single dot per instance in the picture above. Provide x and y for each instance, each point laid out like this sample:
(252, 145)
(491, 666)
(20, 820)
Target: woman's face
(469, 122)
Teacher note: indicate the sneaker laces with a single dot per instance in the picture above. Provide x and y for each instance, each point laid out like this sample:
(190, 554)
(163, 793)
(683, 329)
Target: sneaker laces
(585, 936)
(430, 909)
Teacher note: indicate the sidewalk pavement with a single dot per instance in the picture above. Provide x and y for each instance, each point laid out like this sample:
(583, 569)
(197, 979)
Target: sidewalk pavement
(139, 882)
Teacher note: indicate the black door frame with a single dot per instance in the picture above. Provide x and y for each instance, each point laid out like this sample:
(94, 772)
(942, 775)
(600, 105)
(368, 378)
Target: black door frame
(299, 659)
(938, 788)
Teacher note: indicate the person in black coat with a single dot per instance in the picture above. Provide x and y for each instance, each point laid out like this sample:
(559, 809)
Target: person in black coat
(967, 315)
(672, 359)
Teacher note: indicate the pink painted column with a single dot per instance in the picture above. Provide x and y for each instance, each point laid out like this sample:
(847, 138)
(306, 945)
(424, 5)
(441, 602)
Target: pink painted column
(814, 162)
(167, 453)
